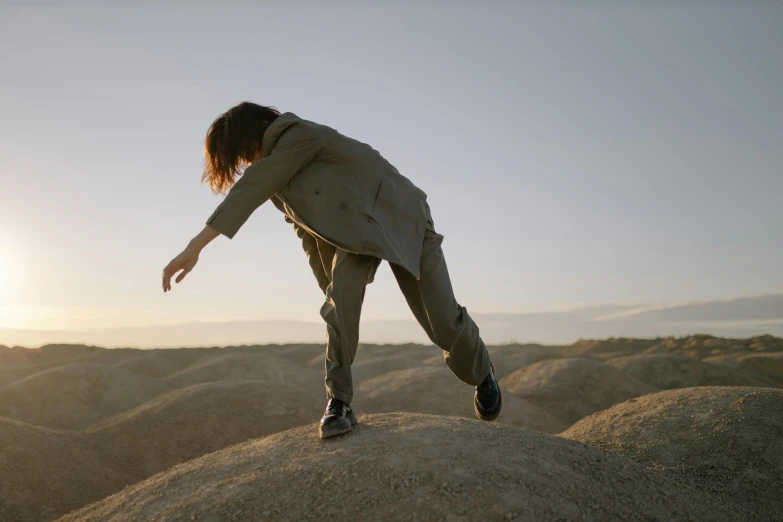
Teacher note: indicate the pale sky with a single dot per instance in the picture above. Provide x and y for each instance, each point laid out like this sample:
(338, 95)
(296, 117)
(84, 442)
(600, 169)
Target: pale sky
(620, 153)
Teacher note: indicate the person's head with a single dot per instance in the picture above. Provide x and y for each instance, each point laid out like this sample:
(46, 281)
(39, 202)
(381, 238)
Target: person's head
(234, 141)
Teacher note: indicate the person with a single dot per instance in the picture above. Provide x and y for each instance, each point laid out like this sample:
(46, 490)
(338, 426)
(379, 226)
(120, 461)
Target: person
(352, 209)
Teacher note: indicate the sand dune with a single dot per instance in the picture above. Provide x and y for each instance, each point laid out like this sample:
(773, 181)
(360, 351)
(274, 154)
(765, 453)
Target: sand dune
(501, 364)
(61, 353)
(157, 364)
(528, 354)
(374, 366)
(14, 372)
(408, 467)
(668, 372)
(609, 348)
(46, 473)
(22, 362)
(416, 351)
(695, 346)
(573, 387)
(74, 396)
(300, 354)
(259, 366)
(767, 366)
(435, 390)
(193, 421)
(703, 346)
(145, 412)
(727, 440)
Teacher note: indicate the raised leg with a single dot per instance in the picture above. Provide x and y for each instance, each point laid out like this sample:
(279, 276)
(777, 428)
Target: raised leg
(448, 325)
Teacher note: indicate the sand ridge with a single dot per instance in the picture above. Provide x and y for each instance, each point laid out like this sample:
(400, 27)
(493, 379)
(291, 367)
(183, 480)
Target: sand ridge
(768, 366)
(190, 422)
(573, 387)
(74, 396)
(435, 390)
(666, 372)
(248, 366)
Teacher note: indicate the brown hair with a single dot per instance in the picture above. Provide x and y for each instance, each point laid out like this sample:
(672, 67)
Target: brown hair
(232, 141)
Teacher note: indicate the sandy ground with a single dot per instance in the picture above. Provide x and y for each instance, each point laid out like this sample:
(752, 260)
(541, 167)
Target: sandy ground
(408, 467)
(80, 423)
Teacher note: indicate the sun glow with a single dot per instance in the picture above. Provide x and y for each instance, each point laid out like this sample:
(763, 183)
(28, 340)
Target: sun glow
(5, 272)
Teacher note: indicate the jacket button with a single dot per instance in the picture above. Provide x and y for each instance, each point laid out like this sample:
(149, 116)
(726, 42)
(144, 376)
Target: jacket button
(343, 205)
(317, 191)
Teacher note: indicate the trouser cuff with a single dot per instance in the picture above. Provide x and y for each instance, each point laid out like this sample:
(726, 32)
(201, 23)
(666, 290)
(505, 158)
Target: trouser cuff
(340, 396)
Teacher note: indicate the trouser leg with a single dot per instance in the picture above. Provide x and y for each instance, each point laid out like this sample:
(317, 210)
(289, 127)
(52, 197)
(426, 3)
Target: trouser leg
(350, 274)
(310, 246)
(448, 325)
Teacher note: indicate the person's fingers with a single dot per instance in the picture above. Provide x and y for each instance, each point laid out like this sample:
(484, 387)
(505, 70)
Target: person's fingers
(167, 273)
(182, 274)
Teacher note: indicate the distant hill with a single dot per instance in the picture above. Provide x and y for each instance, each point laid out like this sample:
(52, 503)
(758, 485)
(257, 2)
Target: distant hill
(739, 317)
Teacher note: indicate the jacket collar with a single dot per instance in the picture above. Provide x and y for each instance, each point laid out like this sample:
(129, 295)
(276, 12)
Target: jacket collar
(275, 130)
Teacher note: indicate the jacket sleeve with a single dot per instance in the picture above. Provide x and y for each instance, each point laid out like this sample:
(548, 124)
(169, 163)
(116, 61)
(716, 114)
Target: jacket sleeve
(260, 181)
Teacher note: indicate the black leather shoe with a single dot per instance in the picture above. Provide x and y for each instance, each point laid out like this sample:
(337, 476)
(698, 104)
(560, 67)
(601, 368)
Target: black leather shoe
(338, 418)
(487, 400)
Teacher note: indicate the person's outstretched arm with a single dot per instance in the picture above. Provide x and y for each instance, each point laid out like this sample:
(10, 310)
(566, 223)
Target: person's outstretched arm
(188, 258)
(264, 178)
(259, 182)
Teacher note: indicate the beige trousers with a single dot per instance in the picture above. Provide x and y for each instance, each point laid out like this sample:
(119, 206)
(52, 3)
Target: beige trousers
(343, 277)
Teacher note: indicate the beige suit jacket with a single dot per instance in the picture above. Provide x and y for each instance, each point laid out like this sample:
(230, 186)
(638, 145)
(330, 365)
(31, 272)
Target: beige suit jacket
(337, 188)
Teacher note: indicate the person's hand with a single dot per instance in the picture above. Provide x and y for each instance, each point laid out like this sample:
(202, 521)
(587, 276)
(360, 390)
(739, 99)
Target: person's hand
(185, 262)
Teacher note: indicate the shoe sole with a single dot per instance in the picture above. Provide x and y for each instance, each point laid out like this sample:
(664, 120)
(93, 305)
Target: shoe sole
(484, 416)
(344, 426)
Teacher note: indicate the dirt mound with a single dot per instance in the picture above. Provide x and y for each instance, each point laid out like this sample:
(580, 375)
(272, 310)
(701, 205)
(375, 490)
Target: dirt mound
(261, 367)
(390, 350)
(300, 354)
(408, 467)
(573, 387)
(74, 396)
(17, 355)
(516, 350)
(703, 346)
(612, 347)
(23, 362)
(46, 473)
(193, 421)
(502, 364)
(696, 346)
(526, 358)
(725, 440)
(668, 372)
(71, 353)
(374, 366)
(435, 390)
(157, 364)
(767, 366)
